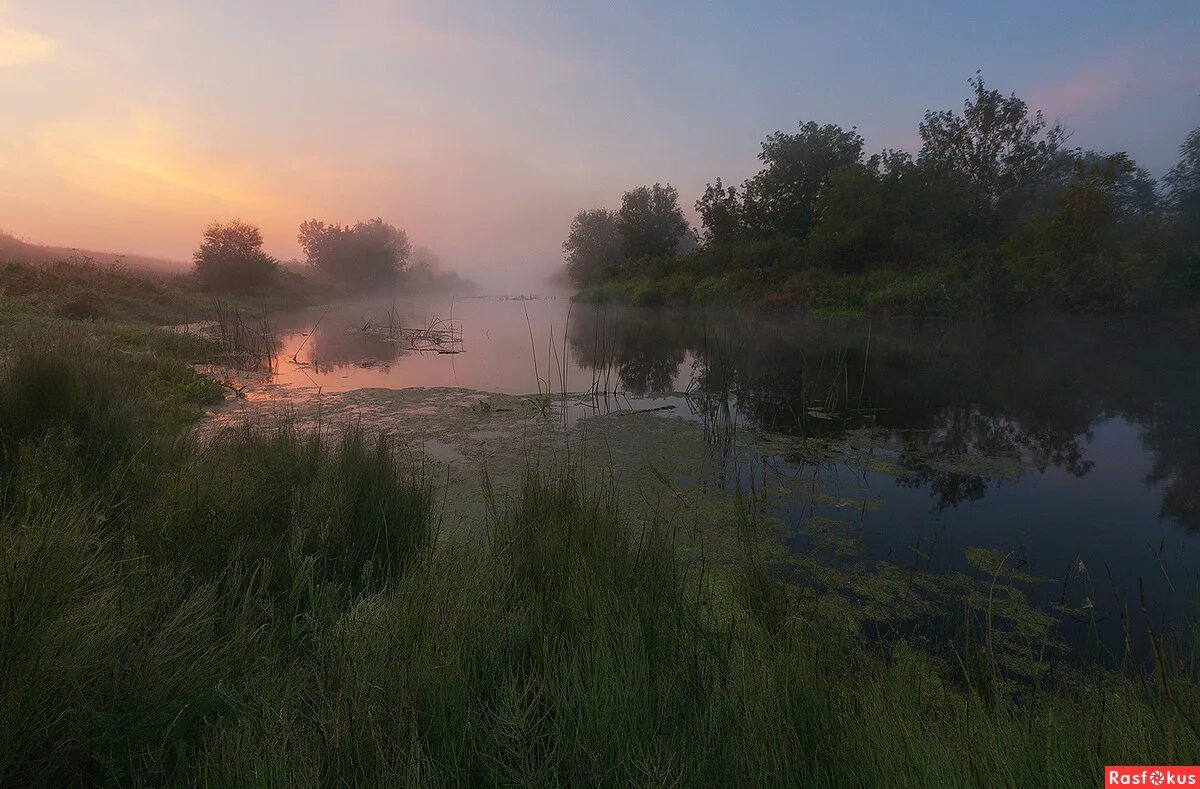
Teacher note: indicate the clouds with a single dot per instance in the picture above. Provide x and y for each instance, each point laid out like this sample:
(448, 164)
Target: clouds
(129, 181)
(139, 159)
(482, 127)
(24, 47)
(1114, 76)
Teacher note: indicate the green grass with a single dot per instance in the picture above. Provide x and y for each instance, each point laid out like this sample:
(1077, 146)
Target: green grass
(274, 607)
(86, 291)
(927, 291)
(90, 291)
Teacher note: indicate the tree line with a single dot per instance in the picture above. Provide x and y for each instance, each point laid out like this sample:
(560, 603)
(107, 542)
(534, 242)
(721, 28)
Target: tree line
(994, 197)
(353, 258)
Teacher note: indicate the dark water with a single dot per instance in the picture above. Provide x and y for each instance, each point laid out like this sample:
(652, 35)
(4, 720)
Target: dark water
(1103, 415)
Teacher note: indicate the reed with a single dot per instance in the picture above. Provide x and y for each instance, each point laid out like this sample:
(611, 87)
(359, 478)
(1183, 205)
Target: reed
(246, 342)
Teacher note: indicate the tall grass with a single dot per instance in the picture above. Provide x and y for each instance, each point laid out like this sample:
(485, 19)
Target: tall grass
(147, 582)
(247, 343)
(99, 407)
(349, 504)
(269, 607)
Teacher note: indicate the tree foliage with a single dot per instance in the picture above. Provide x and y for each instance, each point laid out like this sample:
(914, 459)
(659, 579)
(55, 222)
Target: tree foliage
(987, 155)
(1091, 251)
(993, 211)
(359, 256)
(1183, 181)
(873, 213)
(231, 258)
(781, 199)
(593, 245)
(650, 222)
(720, 211)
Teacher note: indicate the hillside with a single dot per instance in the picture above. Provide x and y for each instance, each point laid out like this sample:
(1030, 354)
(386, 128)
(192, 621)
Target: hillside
(15, 250)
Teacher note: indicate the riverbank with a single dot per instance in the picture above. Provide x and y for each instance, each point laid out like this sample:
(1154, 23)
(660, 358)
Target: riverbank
(947, 290)
(940, 291)
(283, 605)
(80, 291)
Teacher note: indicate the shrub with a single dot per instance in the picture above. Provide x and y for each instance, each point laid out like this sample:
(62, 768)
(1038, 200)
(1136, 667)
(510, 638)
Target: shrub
(231, 259)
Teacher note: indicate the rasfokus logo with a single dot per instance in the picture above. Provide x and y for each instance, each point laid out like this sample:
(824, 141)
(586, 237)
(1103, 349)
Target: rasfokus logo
(1156, 775)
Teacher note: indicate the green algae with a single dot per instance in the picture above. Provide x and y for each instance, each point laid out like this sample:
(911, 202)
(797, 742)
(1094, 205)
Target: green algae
(994, 563)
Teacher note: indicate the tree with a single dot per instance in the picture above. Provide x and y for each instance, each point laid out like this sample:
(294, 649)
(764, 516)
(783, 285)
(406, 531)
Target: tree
(1183, 181)
(1088, 254)
(872, 213)
(424, 261)
(651, 222)
(989, 154)
(720, 213)
(231, 258)
(358, 257)
(593, 245)
(853, 230)
(1088, 208)
(781, 199)
(1183, 196)
(1135, 192)
(1183, 191)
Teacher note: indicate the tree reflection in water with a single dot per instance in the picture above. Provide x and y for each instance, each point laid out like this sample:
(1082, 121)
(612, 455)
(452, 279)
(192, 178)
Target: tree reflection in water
(1033, 388)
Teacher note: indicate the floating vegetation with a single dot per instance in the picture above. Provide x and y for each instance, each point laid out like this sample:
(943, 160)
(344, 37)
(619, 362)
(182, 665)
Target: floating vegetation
(1000, 565)
(998, 467)
(442, 336)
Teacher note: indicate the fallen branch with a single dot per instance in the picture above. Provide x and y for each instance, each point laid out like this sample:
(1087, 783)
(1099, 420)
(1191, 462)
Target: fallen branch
(646, 410)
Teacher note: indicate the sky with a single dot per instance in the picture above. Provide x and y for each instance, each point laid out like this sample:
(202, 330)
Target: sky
(482, 127)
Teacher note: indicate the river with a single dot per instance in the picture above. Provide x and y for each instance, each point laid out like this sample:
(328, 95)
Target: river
(1055, 458)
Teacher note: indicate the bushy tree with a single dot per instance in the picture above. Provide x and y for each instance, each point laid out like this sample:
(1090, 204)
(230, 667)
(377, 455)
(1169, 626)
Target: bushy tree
(1135, 191)
(1183, 197)
(650, 221)
(231, 258)
(781, 199)
(854, 226)
(876, 212)
(1183, 181)
(359, 256)
(720, 211)
(986, 157)
(593, 245)
(1088, 207)
(993, 205)
(1088, 254)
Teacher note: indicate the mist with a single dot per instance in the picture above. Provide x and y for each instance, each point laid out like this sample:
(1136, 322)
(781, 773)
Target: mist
(480, 133)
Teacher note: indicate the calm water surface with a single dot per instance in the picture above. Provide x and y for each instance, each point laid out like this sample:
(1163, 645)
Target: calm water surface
(1102, 415)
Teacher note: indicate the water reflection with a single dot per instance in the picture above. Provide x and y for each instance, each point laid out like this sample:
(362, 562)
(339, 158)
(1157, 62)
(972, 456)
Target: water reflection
(901, 444)
(1034, 389)
(339, 345)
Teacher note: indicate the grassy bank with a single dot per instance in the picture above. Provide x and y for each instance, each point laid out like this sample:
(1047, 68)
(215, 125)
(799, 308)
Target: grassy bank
(779, 278)
(274, 607)
(934, 291)
(82, 290)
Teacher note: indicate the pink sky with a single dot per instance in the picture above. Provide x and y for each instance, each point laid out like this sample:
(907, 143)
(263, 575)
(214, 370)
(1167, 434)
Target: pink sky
(481, 130)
